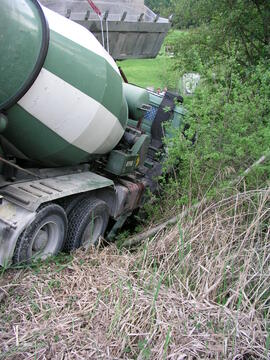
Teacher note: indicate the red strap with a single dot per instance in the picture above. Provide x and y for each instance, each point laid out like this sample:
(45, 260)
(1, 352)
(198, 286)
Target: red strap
(94, 7)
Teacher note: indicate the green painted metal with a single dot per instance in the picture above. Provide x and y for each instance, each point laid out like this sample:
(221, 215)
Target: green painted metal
(121, 163)
(140, 149)
(178, 115)
(34, 135)
(88, 72)
(3, 122)
(136, 97)
(21, 39)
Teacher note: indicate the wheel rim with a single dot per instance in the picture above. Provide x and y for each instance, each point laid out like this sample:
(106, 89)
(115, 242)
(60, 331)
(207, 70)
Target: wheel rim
(92, 232)
(45, 240)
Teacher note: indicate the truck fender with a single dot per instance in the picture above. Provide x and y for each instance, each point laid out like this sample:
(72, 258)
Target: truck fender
(13, 220)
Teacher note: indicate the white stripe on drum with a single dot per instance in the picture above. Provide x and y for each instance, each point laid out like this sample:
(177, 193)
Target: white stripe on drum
(71, 114)
(77, 34)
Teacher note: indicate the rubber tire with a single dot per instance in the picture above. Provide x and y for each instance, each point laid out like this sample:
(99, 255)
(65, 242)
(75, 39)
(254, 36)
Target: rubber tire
(45, 212)
(68, 204)
(79, 219)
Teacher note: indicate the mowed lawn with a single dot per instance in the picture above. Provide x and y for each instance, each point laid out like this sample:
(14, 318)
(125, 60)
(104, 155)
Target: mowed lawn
(147, 72)
(157, 72)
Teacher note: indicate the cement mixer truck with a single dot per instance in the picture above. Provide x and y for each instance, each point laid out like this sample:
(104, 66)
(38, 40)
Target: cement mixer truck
(79, 148)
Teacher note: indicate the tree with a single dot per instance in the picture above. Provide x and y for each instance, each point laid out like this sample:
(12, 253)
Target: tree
(240, 27)
(228, 43)
(162, 7)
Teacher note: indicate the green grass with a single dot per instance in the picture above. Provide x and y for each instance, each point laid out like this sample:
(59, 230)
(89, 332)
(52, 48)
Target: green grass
(146, 72)
(158, 72)
(124, 303)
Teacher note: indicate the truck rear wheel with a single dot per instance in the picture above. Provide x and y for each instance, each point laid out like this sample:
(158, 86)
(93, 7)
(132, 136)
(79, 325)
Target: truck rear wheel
(87, 222)
(44, 237)
(68, 204)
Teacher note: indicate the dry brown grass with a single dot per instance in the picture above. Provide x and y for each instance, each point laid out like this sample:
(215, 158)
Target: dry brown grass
(198, 291)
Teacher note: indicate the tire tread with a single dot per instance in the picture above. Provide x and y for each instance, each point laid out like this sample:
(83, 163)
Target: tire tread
(77, 217)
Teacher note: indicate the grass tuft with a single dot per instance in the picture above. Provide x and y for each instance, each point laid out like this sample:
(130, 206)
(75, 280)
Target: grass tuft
(200, 290)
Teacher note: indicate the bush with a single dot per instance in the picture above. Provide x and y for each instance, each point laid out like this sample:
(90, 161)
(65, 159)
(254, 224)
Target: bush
(230, 114)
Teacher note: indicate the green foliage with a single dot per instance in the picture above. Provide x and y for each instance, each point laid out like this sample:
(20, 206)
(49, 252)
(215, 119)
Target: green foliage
(162, 7)
(236, 27)
(186, 13)
(122, 237)
(230, 115)
(60, 262)
(228, 44)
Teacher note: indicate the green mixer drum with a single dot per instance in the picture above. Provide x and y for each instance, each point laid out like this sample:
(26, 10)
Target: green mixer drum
(24, 39)
(61, 91)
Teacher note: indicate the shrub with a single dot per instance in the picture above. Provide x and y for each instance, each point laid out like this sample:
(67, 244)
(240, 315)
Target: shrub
(230, 114)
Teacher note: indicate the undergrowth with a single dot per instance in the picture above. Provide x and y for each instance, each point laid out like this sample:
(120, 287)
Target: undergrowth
(199, 290)
(226, 129)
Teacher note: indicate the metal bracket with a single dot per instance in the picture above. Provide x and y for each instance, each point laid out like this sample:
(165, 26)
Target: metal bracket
(140, 18)
(124, 15)
(68, 14)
